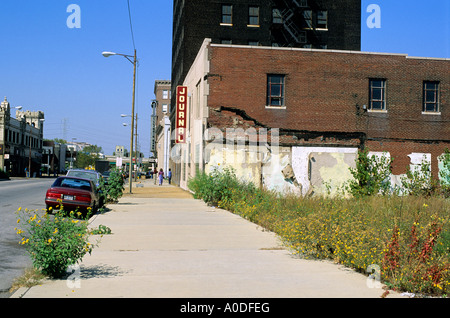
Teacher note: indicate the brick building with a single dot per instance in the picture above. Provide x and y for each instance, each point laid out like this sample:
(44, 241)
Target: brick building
(318, 106)
(161, 122)
(320, 24)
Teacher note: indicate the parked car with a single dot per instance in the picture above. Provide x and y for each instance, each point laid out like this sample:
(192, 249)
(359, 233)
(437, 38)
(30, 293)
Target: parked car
(96, 177)
(72, 193)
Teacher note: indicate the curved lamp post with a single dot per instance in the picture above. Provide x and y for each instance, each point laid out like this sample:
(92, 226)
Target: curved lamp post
(133, 60)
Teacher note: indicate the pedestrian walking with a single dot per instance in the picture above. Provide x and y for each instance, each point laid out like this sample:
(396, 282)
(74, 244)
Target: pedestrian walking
(161, 176)
(155, 173)
(169, 175)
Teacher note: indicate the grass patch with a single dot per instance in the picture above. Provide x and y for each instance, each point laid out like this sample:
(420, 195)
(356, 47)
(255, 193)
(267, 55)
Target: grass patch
(30, 278)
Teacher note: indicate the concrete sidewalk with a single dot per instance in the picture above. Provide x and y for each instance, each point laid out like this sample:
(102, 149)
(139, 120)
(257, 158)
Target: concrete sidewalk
(165, 244)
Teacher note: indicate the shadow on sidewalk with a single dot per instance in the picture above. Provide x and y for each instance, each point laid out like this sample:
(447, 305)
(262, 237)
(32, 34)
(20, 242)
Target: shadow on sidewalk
(101, 271)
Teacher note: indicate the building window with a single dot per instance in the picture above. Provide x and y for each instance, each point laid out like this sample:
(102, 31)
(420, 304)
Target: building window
(302, 3)
(430, 97)
(165, 94)
(302, 37)
(253, 15)
(253, 43)
(377, 94)
(227, 14)
(275, 90)
(226, 41)
(322, 20)
(276, 16)
(164, 108)
(307, 16)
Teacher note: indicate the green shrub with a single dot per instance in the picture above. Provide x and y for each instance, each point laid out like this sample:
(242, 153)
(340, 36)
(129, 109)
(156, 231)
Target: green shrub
(371, 175)
(53, 242)
(101, 230)
(444, 173)
(115, 186)
(419, 181)
(215, 187)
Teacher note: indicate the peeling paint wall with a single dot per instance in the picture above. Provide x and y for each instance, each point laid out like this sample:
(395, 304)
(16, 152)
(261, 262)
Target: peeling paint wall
(276, 175)
(245, 164)
(445, 171)
(329, 171)
(299, 170)
(416, 160)
(263, 169)
(322, 169)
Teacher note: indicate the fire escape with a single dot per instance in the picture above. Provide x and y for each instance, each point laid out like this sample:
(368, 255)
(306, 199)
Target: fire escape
(297, 21)
(292, 28)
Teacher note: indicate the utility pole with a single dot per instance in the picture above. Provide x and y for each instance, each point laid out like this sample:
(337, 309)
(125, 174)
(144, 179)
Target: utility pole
(132, 123)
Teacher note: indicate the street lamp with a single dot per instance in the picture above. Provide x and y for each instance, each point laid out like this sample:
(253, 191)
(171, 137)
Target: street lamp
(134, 62)
(135, 139)
(108, 54)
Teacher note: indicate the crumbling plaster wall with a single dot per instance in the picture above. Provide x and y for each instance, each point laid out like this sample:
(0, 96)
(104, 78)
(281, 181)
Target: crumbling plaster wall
(262, 168)
(322, 169)
(299, 170)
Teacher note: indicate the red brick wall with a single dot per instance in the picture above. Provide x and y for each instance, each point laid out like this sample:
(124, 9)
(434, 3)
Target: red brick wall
(324, 90)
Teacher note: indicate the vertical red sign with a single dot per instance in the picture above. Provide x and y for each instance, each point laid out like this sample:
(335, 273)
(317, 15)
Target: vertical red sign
(181, 116)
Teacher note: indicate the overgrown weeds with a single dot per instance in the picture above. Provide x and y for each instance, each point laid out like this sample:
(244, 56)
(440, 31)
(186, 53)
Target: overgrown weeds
(31, 277)
(406, 237)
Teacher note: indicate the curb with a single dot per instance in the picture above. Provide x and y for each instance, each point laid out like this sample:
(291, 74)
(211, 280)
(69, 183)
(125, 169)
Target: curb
(20, 292)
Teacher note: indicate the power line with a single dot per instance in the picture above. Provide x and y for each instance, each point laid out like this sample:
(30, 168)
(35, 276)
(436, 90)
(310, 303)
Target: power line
(131, 24)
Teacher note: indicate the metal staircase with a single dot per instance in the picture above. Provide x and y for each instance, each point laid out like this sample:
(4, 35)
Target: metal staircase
(291, 26)
(293, 15)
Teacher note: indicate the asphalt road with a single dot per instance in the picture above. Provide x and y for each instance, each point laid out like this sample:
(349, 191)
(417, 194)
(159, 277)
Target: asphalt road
(25, 193)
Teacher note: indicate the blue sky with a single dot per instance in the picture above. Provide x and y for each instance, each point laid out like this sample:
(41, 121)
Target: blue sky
(45, 65)
(413, 27)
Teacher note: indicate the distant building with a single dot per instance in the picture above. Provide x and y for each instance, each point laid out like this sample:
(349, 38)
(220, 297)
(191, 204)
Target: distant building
(54, 157)
(21, 141)
(161, 138)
